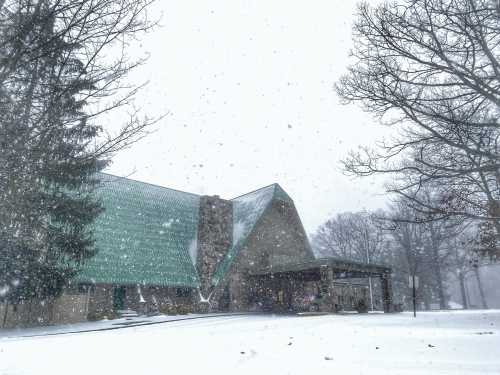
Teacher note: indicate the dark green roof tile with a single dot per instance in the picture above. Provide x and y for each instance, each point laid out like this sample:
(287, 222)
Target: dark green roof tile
(144, 236)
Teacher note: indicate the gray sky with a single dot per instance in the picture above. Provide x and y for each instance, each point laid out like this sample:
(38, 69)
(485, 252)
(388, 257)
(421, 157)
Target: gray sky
(249, 91)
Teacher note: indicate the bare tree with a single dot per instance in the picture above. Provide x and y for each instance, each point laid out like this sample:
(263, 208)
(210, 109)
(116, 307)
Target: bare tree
(333, 238)
(91, 38)
(466, 260)
(437, 233)
(432, 68)
(355, 236)
(460, 264)
(400, 237)
(419, 249)
(63, 66)
(410, 256)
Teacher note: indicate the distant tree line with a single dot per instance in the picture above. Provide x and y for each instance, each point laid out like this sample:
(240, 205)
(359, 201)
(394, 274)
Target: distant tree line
(438, 252)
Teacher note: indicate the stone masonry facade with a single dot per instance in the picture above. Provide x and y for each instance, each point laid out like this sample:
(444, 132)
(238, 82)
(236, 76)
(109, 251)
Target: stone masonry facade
(215, 235)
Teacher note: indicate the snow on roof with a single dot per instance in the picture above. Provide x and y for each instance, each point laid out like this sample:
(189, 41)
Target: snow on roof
(247, 210)
(148, 234)
(144, 235)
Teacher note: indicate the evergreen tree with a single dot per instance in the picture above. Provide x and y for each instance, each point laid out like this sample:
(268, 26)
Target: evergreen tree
(50, 77)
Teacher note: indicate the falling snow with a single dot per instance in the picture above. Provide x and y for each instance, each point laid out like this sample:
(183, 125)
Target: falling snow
(444, 343)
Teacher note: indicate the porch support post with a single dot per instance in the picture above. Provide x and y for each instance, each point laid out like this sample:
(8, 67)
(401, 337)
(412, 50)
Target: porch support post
(386, 281)
(327, 290)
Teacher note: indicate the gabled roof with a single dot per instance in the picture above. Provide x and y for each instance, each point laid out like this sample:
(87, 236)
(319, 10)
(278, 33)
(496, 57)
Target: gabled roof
(247, 210)
(144, 235)
(148, 234)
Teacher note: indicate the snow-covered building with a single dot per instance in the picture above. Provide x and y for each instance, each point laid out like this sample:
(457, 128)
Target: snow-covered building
(163, 249)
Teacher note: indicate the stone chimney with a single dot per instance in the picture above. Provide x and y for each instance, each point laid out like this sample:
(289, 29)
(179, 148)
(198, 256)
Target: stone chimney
(215, 235)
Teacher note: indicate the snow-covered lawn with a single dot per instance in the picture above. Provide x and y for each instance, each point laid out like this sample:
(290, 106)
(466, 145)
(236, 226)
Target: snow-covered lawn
(460, 342)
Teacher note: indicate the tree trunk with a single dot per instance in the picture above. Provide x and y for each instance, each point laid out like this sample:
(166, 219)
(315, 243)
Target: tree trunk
(461, 281)
(426, 299)
(480, 287)
(443, 304)
(5, 314)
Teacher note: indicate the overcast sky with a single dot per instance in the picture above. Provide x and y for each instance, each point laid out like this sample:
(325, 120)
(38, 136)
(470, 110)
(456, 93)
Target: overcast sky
(249, 91)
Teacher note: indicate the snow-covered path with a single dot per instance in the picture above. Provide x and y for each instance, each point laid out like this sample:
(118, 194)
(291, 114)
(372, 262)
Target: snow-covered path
(434, 343)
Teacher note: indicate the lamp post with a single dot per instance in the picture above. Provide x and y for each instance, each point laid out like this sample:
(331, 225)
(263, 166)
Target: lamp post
(369, 280)
(413, 282)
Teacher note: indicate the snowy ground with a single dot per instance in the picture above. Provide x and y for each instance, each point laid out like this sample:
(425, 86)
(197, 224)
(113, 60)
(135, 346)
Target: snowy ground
(102, 325)
(460, 342)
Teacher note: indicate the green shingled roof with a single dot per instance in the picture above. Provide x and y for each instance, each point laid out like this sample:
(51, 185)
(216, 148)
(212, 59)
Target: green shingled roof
(144, 236)
(148, 234)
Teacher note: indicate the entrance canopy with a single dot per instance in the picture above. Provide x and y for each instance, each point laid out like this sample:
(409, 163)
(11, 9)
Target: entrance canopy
(341, 268)
(326, 270)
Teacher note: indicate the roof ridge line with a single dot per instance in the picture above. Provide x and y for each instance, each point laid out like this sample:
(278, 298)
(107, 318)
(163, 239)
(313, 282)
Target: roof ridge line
(276, 186)
(149, 183)
(253, 191)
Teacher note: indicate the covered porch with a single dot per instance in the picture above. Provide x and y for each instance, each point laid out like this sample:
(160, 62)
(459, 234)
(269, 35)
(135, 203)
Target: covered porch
(280, 284)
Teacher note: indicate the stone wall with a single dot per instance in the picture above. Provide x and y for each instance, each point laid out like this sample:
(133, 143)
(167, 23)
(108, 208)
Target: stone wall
(101, 299)
(70, 309)
(277, 238)
(78, 304)
(63, 310)
(164, 299)
(26, 314)
(215, 231)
